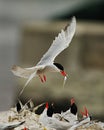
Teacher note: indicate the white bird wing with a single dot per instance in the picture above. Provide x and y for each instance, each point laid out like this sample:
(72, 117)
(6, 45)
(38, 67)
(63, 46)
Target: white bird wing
(61, 42)
(57, 124)
(28, 73)
(25, 72)
(65, 113)
(29, 79)
(10, 126)
(22, 72)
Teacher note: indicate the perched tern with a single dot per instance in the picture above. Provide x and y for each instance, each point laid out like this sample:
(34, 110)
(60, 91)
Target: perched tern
(50, 110)
(47, 64)
(72, 110)
(52, 122)
(85, 122)
(70, 115)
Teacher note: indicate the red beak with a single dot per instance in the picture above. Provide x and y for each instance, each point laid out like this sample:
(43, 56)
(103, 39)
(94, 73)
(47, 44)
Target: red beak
(63, 73)
(47, 106)
(85, 113)
(72, 101)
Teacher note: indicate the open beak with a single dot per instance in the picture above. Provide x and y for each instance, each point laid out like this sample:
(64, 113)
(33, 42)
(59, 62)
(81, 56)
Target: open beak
(85, 113)
(63, 73)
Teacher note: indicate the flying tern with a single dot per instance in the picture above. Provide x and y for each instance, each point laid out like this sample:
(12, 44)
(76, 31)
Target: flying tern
(46, 63)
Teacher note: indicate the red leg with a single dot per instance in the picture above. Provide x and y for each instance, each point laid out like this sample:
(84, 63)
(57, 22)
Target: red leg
(41, 79)
(44, 77)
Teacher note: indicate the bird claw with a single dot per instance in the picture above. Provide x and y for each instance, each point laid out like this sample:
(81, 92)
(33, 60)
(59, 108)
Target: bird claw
(43, 79)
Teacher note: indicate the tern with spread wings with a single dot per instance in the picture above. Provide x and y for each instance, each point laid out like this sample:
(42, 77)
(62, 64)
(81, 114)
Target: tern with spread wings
(47, 64)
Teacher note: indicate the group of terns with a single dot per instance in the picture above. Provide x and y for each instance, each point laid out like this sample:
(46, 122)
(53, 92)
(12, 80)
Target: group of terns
(25, 117)
(67, 120)
(46, 63)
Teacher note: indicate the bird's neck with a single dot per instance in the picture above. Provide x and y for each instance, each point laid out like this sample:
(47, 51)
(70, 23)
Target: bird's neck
(73, 109)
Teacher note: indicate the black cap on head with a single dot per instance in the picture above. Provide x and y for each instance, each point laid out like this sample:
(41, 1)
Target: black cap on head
(59, 66)
(73, 107)
(50, 110)
(18, 107)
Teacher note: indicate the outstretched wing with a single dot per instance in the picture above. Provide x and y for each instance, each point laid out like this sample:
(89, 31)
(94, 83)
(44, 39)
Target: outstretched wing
(60, 43)
(28, 73)
(29, 79)
(23, 72)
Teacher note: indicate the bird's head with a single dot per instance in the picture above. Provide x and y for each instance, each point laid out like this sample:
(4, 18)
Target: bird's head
(50, 110)
(61, 68)
(46, 106)
(73, 107)
(85, 113)
(72, 101)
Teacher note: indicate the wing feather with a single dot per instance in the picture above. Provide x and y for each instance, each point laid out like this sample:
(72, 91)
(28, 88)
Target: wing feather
(29, 79)
(25, 72)
(61, 42)
(22, 72)
(28, 73)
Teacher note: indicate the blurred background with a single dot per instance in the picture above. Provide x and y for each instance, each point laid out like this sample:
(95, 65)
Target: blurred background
(27, 29)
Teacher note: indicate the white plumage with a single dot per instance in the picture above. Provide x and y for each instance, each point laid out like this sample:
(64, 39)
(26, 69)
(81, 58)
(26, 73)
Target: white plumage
(52, 122)
(10, 126)
(46, 63)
